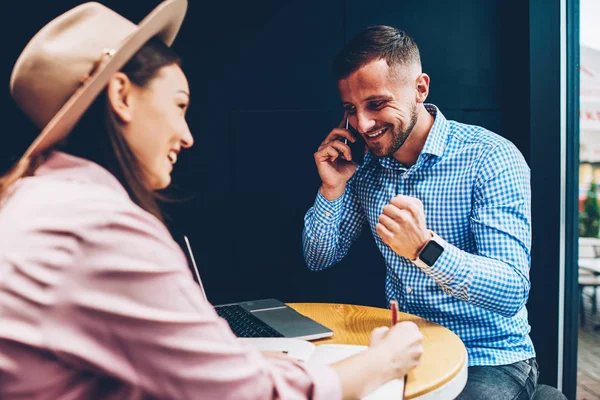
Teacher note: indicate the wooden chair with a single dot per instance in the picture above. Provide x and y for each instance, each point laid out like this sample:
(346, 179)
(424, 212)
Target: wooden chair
(588, 248)
(587, 279)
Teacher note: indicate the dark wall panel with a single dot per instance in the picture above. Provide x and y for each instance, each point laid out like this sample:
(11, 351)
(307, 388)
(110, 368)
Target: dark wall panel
(458, 41)
(546, 155)
(278, 189)
(263, 98)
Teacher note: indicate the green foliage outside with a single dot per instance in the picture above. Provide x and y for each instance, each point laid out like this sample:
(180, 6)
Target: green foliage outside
(589, 217)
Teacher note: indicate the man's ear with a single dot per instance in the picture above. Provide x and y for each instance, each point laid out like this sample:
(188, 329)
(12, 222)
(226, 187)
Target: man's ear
(120, 96)
(422, 87)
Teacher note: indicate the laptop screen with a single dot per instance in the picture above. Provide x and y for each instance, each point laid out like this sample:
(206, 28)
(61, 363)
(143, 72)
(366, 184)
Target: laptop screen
(192, 262)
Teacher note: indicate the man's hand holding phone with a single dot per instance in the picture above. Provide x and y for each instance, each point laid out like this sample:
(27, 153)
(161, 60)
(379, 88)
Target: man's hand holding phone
(334, 161)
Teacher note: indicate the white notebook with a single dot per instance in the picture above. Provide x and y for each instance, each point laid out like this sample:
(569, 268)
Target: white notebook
(325, 354)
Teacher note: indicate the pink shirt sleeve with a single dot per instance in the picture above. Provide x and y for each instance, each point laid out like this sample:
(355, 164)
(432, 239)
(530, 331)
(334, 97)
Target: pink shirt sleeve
(131, 309)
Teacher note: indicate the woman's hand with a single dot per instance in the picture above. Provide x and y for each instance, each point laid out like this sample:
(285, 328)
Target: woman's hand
(402, 344)
(392, 353)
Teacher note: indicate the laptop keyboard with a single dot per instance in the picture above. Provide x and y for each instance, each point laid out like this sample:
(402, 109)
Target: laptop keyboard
(244, 324)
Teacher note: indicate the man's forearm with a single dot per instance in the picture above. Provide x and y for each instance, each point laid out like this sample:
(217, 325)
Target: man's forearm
(330, 227)
(483, 282)
(320, 238)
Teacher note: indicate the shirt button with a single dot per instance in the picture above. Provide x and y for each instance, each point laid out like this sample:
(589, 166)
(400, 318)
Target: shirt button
(408, 289)
(327, 214)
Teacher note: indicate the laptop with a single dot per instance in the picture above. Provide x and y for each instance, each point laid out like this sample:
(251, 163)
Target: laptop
(263, 318)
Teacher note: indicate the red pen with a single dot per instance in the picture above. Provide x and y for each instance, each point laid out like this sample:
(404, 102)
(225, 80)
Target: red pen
(394, 307)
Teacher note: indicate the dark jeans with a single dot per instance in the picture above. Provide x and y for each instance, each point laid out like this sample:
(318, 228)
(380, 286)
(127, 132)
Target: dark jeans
(504, 382)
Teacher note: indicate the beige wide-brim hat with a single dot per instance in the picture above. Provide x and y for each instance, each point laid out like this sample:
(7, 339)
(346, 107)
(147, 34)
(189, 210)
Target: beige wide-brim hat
(66, 65)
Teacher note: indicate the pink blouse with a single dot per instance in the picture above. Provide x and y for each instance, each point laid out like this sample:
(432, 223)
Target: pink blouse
(97, 301)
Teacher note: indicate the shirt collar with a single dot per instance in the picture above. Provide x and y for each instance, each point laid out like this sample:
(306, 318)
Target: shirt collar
(67, 167)
(438, 134)
(434, 145)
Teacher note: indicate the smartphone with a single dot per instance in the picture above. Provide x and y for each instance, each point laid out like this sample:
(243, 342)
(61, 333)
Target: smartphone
(359, 147)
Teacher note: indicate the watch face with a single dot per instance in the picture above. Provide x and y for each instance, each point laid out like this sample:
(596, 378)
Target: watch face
(431, 252)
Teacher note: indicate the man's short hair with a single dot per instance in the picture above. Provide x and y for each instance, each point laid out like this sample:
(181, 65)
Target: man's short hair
(376, 43)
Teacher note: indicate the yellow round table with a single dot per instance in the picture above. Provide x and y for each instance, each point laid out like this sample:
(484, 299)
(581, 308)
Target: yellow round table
(443, 367)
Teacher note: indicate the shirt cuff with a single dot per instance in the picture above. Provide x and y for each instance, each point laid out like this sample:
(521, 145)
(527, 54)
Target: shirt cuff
(445, 267)
(327, 384)
(326, 211)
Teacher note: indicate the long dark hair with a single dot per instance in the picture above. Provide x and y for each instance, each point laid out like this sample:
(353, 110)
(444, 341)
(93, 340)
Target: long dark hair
(98, 137)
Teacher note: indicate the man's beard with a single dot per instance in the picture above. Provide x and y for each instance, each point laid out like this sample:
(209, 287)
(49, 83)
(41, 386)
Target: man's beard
(399, 136)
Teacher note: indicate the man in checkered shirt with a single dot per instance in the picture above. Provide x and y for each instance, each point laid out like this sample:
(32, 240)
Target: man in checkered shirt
(447, 203)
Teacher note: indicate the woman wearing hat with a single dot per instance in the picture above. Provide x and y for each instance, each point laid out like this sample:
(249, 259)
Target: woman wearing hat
(96, 299)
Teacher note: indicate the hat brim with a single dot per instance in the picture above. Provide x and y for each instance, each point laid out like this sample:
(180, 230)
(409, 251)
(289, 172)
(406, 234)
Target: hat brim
(164, 22)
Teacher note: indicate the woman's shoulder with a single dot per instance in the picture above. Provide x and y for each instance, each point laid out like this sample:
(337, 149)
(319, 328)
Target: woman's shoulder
(97, 215)
(72, 203)
(73, 195)
(69, 184)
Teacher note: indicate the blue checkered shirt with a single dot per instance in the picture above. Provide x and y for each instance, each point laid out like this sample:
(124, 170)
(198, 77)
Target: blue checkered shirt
(475, 190)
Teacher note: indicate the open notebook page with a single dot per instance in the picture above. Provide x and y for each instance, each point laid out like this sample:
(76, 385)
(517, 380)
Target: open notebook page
(325, 354)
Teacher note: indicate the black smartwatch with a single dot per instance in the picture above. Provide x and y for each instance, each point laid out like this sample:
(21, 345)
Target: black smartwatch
(431, 252)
